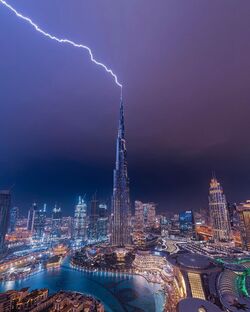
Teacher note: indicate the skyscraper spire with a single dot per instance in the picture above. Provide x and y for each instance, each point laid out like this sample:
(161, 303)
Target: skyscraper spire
(213, 175)
(121, 130)
(121, 202)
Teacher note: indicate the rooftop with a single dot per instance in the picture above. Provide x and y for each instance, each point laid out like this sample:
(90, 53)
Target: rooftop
(192, 261)
(196, 305)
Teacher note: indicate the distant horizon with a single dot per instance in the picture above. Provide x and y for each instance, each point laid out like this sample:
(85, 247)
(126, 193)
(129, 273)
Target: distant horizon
(68, 208)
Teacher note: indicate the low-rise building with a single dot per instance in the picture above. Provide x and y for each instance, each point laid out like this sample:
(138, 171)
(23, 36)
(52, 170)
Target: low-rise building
(39, 301)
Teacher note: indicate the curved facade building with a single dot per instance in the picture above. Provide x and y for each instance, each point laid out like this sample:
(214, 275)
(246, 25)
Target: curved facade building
(234, 285)
(196, 275)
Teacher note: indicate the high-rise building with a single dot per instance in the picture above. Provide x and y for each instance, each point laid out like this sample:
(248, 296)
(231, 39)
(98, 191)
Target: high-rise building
(31, 217)
(13, 219)
(203, 216)
(102, 222)
(56, 222)
(139, 216)
(186, 220)
(93, 217)
(218, 212)
(5, 202)
(150, 215)
(102, 210)
(121, 227)
(244, 216)
(80, 220)
(39, 222)
(67, 227)
(233, 216)
(144, 215)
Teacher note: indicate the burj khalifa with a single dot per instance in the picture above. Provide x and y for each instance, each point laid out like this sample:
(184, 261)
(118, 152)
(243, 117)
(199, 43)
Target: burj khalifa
(121, 228)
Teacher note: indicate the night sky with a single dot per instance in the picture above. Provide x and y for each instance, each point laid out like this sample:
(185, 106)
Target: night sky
(185, 67)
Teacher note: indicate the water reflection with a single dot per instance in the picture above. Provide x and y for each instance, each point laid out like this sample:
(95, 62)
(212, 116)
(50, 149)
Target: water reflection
(117, 292)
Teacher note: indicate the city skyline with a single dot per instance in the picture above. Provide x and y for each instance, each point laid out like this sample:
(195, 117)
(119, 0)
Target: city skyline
(68, 203)
(124, 164)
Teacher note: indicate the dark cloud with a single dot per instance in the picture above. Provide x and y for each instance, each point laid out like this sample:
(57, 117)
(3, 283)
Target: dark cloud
(185, 68)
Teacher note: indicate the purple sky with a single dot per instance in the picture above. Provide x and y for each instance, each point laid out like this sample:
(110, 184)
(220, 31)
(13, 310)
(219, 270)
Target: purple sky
(185, 66)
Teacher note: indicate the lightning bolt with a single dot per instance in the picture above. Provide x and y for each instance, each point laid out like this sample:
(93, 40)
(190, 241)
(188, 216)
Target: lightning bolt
(66, 41)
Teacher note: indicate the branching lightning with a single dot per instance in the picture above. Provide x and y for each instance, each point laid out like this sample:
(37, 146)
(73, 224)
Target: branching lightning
(66, 41)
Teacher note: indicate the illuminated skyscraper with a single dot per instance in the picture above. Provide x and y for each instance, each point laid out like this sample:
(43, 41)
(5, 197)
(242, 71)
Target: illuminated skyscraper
(31, 217)
(144, 215)
(121, 228)
(233, 216)
(92, 228)
(39, 222)
(244, 216)
(13, 219)
(139, 216)
(149, 214)
(56, 222)
(186, 220)
(218, 212)
(80, 220)
(103, 211)
(5, 202)
(102, 222)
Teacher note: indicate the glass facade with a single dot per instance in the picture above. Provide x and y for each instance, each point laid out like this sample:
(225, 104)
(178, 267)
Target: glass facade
(186, 220)
(5, 202)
